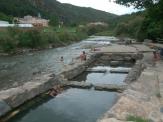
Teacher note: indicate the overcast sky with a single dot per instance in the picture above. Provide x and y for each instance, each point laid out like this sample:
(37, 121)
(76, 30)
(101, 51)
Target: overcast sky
(104, 5)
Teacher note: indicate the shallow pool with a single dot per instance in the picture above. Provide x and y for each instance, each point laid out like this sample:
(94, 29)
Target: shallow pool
(103, 78)
(73, 105)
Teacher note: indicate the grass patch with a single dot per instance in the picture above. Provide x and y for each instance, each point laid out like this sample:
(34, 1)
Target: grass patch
(136, 119)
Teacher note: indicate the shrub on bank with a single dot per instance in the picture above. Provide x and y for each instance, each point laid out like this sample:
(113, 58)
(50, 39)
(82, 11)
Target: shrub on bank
(7, 43)
(36, 38)
(91, 30)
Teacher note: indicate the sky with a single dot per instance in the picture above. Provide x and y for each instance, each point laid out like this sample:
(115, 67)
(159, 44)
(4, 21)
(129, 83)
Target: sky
(103, 5)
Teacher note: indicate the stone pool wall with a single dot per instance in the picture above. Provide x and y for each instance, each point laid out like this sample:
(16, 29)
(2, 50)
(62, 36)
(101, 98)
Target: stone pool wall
(141, 98)
(79, 67)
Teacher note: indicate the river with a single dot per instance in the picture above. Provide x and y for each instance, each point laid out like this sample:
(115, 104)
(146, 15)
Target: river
(15, 70)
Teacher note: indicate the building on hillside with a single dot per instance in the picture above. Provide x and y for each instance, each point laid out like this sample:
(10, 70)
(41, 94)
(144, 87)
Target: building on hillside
(35, 21)
(97, 23)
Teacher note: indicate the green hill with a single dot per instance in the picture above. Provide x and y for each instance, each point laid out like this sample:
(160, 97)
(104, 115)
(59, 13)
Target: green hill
(53, 10)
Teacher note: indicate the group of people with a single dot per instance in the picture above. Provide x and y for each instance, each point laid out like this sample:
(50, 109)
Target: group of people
(57, 89)
(83, 57)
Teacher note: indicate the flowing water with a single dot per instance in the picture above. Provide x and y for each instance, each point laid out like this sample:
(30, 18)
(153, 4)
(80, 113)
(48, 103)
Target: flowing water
(15, 70)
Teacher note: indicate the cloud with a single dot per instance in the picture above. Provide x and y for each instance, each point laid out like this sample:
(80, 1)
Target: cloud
(104, 5)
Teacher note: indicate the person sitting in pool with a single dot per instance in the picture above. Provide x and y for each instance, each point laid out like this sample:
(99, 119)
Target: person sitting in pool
(52, 92)
(83, 56)
(55, 91)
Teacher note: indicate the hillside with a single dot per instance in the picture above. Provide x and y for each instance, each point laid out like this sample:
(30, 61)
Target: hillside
(53, 10)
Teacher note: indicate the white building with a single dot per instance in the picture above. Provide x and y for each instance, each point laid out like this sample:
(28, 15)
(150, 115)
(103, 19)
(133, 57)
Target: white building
(5, 24)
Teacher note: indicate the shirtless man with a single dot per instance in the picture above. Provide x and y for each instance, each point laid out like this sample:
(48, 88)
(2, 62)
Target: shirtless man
(83, 56)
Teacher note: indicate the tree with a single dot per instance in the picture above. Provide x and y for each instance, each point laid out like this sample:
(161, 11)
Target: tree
(139, 4)
(152, 26)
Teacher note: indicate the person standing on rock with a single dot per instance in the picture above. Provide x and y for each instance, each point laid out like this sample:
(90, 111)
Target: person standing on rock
(83, 56)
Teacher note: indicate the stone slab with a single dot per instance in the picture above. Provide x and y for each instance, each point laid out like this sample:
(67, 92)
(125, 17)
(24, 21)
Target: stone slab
(110, 87)
(120, 71)
(76, 84)
(142, 48)
(118, 49)
(96, 70)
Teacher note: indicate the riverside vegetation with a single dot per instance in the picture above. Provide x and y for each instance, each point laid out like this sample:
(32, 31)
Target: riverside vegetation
(14, 39)
(147, 23)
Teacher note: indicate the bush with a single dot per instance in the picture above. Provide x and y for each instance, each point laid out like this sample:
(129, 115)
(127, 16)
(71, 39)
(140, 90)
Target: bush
(32, 39)
(7, 44)
(35, 38)
(95, 29)
(65, 36)
(24, 40)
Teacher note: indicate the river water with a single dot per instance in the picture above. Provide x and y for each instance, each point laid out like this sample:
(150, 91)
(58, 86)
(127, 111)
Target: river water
(73, 105)
(15, 70)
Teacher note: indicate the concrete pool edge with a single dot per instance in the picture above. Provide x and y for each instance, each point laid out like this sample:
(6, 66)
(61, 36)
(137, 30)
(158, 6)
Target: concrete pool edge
(140, 99)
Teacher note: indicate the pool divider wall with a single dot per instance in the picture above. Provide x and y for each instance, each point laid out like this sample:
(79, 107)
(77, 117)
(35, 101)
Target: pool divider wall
(135, 72)
(121, 56)
(78, 68)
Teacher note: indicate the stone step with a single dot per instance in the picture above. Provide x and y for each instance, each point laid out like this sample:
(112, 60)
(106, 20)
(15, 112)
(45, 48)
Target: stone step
(102, 87)
(110, 87)
(76, 84)
(111, 70)
(96, 70)
(119, 71)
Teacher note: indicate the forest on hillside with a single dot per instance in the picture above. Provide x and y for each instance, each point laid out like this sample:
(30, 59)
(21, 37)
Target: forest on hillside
(140, 25)
(53, 10)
